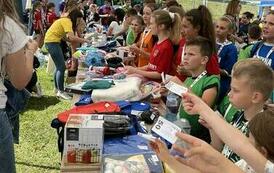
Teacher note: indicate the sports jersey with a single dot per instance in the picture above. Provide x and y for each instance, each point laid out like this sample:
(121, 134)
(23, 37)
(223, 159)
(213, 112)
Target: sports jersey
(245, 52)
(212, 66)
(51, 17)
(206, 82)
(37, 20)
(241, 124)
(161, 57)
(227, 57)
(58, 30)
(146, 44)
(264, 52)
(226, 109)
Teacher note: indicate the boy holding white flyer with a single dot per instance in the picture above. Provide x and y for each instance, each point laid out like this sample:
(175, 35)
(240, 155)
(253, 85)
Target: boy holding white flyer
(197, 54)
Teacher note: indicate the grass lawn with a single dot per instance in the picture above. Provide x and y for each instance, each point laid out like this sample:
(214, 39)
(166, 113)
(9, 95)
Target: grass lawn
(37, 151)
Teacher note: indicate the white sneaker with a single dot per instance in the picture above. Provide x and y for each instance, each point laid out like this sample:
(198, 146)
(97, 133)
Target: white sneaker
(39, 90)
(63, 95)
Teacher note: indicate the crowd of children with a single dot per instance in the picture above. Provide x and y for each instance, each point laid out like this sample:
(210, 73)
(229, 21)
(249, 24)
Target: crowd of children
(226, 64)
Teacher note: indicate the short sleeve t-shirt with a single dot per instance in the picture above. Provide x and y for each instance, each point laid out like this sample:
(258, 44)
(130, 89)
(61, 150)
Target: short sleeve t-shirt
(116, 28)
(10, 43)
(227, 57)
(265, 53)
(206, 82)
(245, 52)
(51, 17)
(241, 124)
(161, 57)
(227, 110)
(244, 166)
(37, 19)
(58, 30)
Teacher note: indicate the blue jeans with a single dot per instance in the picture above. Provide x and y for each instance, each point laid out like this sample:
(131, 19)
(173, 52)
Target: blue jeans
(57, 56)
(7, 160)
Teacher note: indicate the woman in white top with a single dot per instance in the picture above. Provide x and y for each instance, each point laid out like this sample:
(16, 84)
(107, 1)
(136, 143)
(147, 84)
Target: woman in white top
(116, 25)
(16, 55)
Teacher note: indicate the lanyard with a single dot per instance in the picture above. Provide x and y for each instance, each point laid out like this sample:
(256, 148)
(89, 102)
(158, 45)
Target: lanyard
(267, 55)
(145, 34)
(183, 54)
(227, 110)
(222, 46)
(198, 78)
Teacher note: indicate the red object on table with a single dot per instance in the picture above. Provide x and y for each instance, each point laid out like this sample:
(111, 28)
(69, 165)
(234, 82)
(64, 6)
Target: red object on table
(99, 107)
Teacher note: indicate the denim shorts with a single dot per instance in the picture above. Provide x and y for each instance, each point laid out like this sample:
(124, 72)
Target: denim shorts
(7, 160)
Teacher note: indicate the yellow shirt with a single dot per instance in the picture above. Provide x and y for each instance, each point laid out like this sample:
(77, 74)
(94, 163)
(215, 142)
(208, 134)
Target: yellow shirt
(58, 30)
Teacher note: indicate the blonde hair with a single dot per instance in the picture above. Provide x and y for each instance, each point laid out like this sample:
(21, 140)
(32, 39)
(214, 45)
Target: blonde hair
(7, 8)
(259, 75)
(172, 23)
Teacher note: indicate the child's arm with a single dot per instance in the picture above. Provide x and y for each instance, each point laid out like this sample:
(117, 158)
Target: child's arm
(162, 152)
(201, 156)
(142, 71)
(193, 105)
(216, 142)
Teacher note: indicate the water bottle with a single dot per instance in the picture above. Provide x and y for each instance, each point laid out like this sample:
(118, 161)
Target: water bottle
(185, 127)
(172, 104)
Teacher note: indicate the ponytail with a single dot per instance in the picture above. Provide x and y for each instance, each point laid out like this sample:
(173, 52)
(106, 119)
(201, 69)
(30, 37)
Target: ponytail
(201, 18)
(175, 35)
(171, 21)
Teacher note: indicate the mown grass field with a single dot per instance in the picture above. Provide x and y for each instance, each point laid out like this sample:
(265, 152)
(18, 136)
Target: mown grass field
(37, 151)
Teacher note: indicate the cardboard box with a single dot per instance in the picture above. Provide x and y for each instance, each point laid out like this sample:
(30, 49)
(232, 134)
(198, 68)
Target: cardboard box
(83, 139)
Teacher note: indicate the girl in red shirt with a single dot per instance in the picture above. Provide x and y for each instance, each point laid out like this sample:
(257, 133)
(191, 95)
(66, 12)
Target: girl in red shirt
(37, 23)
(197, 22)
(51, 15)
(165, 25)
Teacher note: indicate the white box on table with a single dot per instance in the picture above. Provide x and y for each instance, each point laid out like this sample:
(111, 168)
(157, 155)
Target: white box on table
(83, 139)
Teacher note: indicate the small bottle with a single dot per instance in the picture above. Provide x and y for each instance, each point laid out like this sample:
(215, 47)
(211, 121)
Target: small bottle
(179, 143)
(172, 104)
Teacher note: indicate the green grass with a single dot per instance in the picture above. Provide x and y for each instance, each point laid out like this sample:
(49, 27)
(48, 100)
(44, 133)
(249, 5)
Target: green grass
(37, 151)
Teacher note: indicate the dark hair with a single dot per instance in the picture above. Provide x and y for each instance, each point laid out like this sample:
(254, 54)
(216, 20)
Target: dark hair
(206, 47)
(131, 12)
(36, 4)
(259, 75)
(120, 14)
(50, 5)
(177, 9)
(139, 19)
(261, 128)
(232, 7)
(201, 18)
(254, 31)
(74, 15)
(172, 3)
(149, 1)
(71, 5)
(248, 15)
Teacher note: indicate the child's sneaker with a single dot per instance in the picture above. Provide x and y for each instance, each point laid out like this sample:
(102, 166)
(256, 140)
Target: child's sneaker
(39, 90)
(63, 95)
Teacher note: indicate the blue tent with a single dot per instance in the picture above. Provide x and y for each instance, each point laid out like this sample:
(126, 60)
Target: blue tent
(264, 3)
